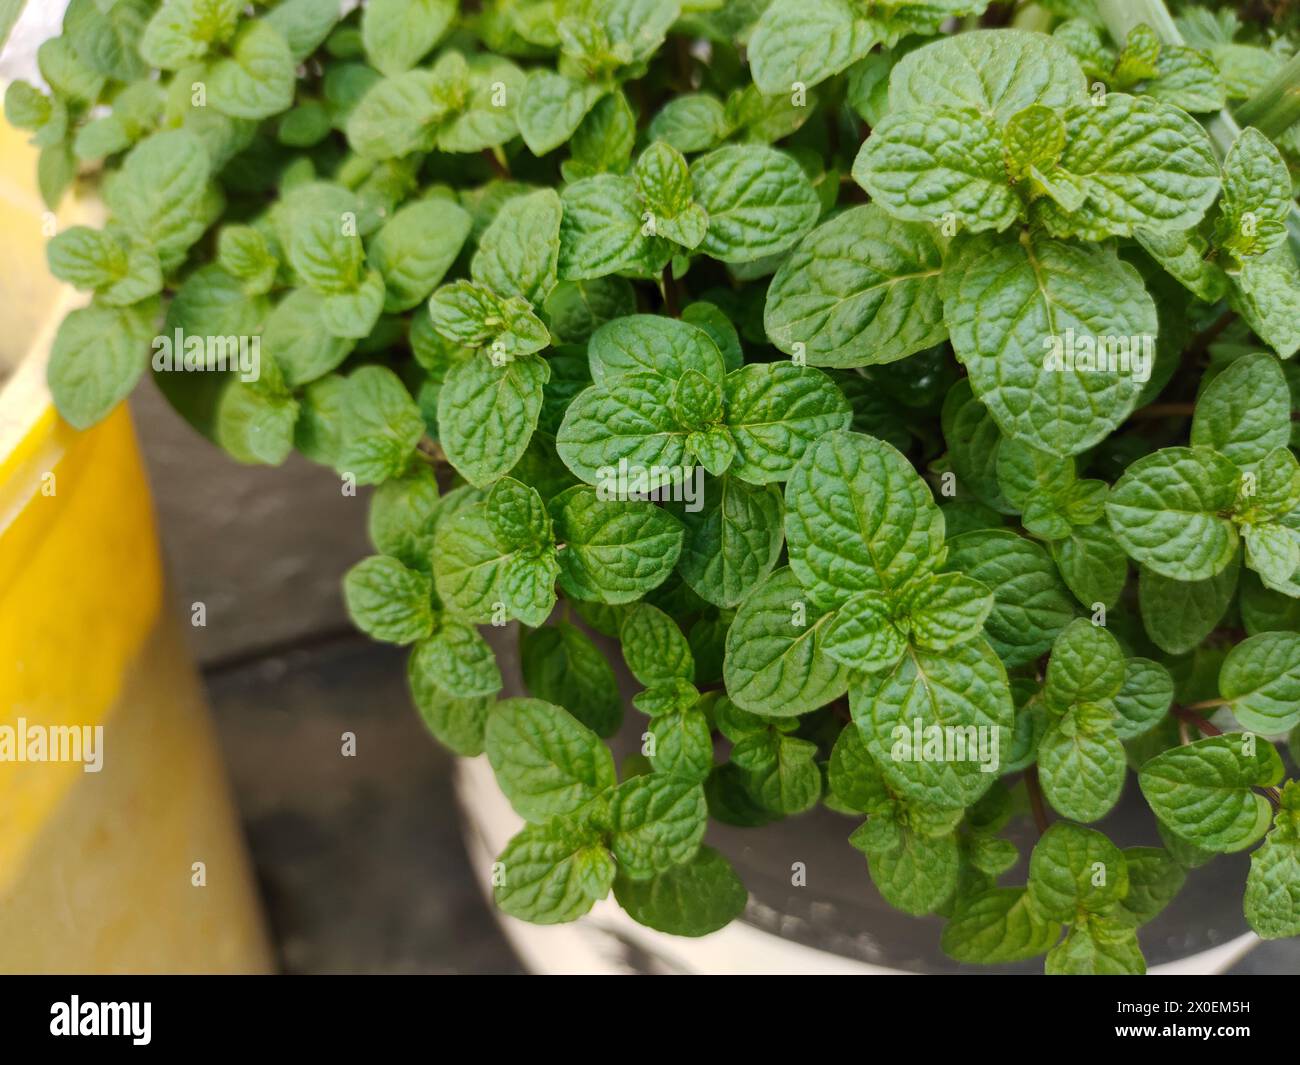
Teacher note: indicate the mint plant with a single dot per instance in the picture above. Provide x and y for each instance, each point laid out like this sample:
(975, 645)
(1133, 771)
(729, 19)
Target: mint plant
(907, 399)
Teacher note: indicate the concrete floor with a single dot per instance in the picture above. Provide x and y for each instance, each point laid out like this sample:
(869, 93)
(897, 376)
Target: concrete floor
(359, 859)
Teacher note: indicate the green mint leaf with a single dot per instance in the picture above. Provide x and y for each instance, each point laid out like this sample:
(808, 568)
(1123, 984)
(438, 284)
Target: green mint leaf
(1202, 791)
(695, 122)
(545, 873)
(1075, 871)
(858, 518)
(976, 446)
(552, 107)
(483, 117)
(561, 665)
(628, 422)
(946, 609)
(1256, 196)
(458, 723)
(487, 413)
(776, 663)
(389, 602)
(916, 874)
(853, 775)
(382, 427)
(1273, 551)
(603, 143)
(577, 309)
(1187, 78)
(1031, 605)
(683, 744)
(667, 699)
(863, 634)
(1272, 902)
(998, 925)
(304, 24)
(614, 551)
(1154, 880)
(775, 411)
(401, 517)
(396, 34)
(161, 185)
(759, 202)
(518, 516)
(1081, 762)
(1087, 665)
(1178, 615)
(658, 821)
(1166, 512)
(1092, 564)
(601, 231)
(696, 400)
(1265, 295)
(1032, 141)
(993, 72)
(648, 343)
(246, 252)
(399, 115)
(713, 448)
(1245, 412)
(472, 315)
(415, 248)
(664, 180)
(458, 660)
(1024, 471)
(653, 646)
(691, 899)
(545, 760)
(517, 252)
(806, 44)
(182, 31)
(107, 40)
(255, 425)
(962, 687)
(352, 314)
(1097, 946)
(780, 770)
(319, 234)
(98, 355)
(318, 433)
(1260, 678)
(296, 339)
(930, 165)
(1011, 306)
(732, 541)
(256, 79)
(1143, 699)
(121, 272)
(1128, 185)
(486, 580)
(860, 289)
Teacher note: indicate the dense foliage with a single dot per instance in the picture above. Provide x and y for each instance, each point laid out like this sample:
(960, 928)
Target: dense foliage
(973, 340)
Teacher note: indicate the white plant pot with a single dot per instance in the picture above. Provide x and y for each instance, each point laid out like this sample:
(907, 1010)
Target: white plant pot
(838, 927)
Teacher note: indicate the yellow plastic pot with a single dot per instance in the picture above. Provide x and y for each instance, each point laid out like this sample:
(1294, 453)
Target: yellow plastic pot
(140, 865)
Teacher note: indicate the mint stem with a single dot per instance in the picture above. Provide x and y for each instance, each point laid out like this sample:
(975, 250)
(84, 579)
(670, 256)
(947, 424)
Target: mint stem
(1276, 106)
(1035, 791)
